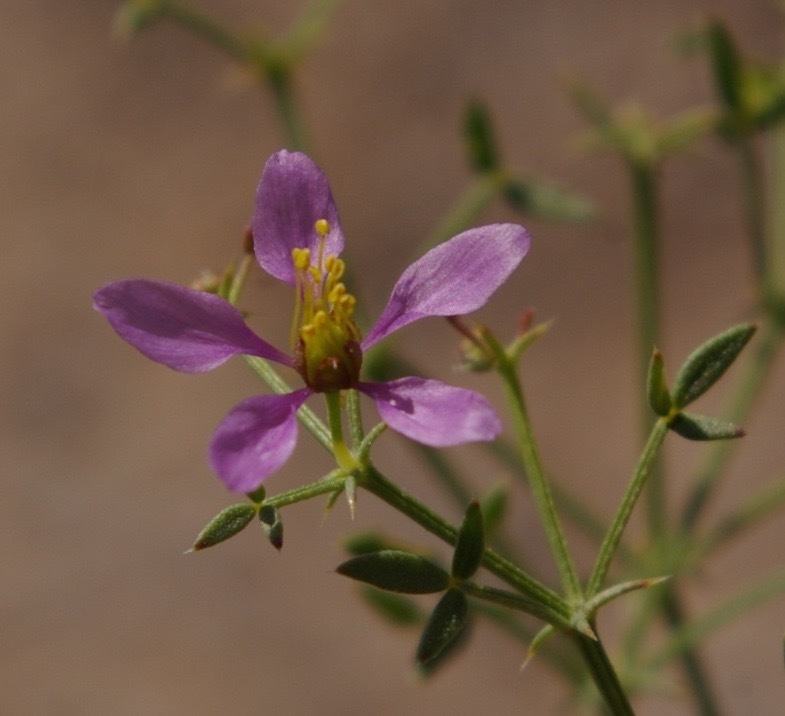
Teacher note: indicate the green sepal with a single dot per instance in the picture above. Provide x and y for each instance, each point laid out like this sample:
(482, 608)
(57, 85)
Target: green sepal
(726, 65)
(526, 340)
(396, 571)
(445, 623)
(494, 508)
(227, 523)
(470, 543)
(703, 427)
(708, 363)
(270, 518)
(393, 608)
(656, 387)
(480, 142)
(257, 495)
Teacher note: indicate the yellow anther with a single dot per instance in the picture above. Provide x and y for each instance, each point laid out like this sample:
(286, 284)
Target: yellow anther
(347, 303)
(301, 258)
(337, 291)
(320, 320)
(308, 331)
(322, 227)
(335, 268)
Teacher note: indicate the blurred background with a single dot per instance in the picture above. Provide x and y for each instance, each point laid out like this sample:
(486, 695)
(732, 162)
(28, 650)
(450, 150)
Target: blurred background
(141, 159)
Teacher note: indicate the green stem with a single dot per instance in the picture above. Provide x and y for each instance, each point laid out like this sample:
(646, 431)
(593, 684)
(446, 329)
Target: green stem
(208, 29)
(533, 465)
(272, 66)
(377, 484)
(511, 600)
(331, 483)
(752, 181)
(589, 523)
(616, 530)
(355, 418)
(693, 668)
(603, 673)
(644, 183)
(343, 456)
(279, 78)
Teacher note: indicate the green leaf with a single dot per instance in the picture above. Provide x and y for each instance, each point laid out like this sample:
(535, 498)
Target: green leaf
(707, 364)
(702, 427)
(494, 508)
(227, 523)
(394, 608)
(546, 200)
(445, 623)
(657, 389)
(272, 525)
(396, 571)
(470, 544)
(481, 144)
(726, 65)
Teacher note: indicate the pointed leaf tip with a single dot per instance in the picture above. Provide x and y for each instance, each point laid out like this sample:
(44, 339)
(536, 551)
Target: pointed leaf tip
(656, 386)
(446, 622)
(702, 427)
(706, 365)
(272, 525)
(470, 544)
(396, 571)
(227, 523)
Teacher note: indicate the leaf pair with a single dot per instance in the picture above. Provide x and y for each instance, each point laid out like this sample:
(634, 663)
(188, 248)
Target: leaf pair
(704, 367)
(408, 573)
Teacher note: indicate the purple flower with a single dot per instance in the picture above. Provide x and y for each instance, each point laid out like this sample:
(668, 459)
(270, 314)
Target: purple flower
(298, 239)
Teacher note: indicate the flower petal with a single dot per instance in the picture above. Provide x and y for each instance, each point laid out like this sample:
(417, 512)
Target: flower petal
(187, 330)
(255, 439)
(292, 195)
(455, 278)
(434, 413)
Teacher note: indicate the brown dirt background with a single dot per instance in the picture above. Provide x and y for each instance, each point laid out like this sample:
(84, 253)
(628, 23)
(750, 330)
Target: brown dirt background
(141, 160)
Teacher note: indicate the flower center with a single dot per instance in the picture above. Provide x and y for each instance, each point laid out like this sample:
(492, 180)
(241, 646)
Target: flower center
(325, 339)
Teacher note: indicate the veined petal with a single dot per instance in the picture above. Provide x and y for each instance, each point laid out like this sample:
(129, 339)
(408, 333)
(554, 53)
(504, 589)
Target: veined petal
(455, 278)
(434, 413)
(187, 330)
(255, 439)
(292, 195)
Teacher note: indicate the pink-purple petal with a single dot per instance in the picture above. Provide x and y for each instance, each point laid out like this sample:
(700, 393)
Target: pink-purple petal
(293, 194)
(454, 278)
(255, 439)
(434, 413)
(187, 330)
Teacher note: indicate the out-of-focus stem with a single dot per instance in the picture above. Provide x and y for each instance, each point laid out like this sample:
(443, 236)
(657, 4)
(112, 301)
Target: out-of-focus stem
(644, 187)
